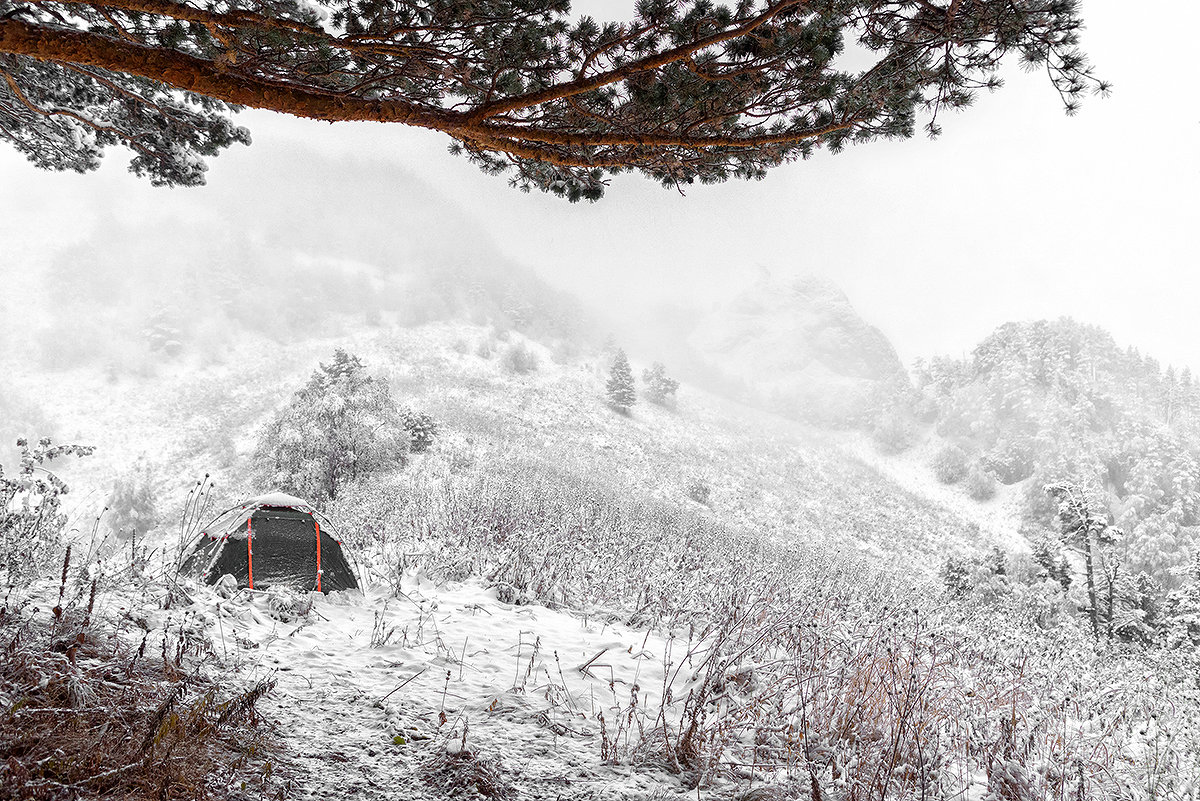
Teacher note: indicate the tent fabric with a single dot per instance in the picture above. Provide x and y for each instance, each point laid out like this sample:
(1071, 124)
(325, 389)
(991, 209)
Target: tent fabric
(264, 544)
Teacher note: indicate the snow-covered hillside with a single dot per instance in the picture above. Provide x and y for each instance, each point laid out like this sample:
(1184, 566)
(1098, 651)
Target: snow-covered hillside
(764, 472)
(565, 602)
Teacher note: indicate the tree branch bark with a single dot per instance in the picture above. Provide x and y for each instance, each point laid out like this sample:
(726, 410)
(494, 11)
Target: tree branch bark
(186, 72)
(192, 74)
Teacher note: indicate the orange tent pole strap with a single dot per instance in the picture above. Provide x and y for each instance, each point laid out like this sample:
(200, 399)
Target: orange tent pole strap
(250, 551)
(317, 523)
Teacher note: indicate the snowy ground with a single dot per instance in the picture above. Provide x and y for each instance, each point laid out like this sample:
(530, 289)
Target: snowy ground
(359, 718)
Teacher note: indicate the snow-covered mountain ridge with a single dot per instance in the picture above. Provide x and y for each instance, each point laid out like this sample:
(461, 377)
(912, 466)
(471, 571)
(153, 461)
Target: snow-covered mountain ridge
(802, 349)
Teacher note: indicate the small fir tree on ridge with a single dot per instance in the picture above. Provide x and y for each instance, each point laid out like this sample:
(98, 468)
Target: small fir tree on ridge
(619, 389)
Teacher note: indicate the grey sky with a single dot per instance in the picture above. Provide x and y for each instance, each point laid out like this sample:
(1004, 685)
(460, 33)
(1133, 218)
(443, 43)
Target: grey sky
(1016, 212)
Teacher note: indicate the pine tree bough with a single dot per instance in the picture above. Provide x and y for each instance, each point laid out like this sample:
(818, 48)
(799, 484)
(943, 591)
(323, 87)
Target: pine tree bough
(686, 91)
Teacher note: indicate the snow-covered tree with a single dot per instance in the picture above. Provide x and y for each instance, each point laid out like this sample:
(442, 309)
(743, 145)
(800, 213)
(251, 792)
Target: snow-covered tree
(619, 390)
(1183, 609)
(422, 430)
(1084, 526)
(659, 387)
(341, 426)
(1053, 565)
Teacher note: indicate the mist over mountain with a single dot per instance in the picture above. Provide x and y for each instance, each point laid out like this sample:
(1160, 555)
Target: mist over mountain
(126, 298)
(801, 349)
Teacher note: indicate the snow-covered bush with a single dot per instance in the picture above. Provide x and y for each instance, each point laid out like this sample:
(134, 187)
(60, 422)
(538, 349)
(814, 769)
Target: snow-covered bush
(31, 514)
(1010, 460)
(894, 431)
(956, 576)
(132, 505)
(519, 359)
(951, 464)
(88, 711)
(699, 491)
(980, 484)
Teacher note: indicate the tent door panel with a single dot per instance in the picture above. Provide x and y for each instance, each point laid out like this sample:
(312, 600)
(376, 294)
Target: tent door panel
(285, 549)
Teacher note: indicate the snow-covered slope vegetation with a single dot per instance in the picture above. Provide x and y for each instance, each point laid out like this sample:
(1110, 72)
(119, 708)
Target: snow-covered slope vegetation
(757, 471)
(1044, 402)
(562, 600)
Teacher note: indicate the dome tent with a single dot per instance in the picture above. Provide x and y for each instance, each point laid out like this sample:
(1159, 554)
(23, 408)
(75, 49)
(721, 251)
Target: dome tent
(270, 541)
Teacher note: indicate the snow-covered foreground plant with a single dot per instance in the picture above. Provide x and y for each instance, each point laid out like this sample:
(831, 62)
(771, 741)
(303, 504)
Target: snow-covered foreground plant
(97, 706)
(787, 665)
(105, 683)
(31, 517)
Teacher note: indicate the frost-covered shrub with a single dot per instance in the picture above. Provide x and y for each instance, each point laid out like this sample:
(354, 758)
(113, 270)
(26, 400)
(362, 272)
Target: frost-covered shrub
(980, 484)
(956, 576)
(519, 359)
(894, 432)
(132, 506)
(162, 334)
(1010, 460)
(31, 516)
(111, 716)
(951, 464)
(699, 491)
(341, 426)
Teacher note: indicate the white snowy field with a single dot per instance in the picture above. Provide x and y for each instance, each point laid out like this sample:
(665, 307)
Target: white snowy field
(536, 580)
(370, 690)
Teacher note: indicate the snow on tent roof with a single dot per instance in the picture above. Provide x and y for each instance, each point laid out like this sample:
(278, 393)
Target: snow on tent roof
(229, 521)
(277, 499)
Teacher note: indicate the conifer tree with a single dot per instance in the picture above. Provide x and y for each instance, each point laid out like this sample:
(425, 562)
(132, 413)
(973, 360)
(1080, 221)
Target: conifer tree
(683, 92)
(619, 389)
(1183, 609)
(422, 430)
(1084, 527)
